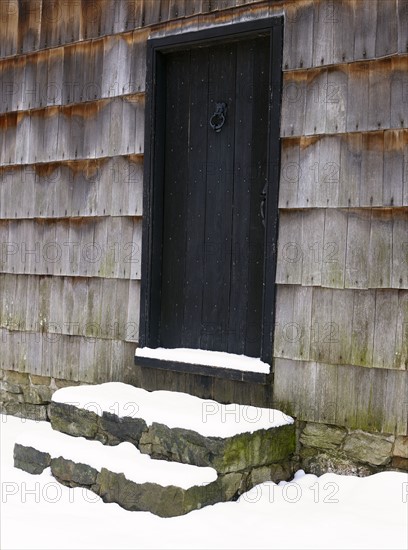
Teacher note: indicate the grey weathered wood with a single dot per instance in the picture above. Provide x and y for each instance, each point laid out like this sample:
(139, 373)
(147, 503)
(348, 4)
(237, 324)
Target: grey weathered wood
(312, 243)
(357, 252)
(316, 102)
(350, 170)
(323, 26)
(362, 335)
(393, 169)
(293, 103)
(290, 253)
(334, 249)
(343, 17)
(379, 103)
(386, 308)
(400, 250)
(380, 261)
(357, 114)
(365, 29)
(401, 337)
(399, 92)
(298, 42)
(372, 162)
(340, 327)
(283, 340)
(402, 22)
(309, 171)
(336, 101)
(327, 173)
(321, 327)
(386, 38)
(289, 173)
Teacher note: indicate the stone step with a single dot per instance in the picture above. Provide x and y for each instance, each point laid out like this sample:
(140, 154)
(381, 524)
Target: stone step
(123, 475)
(179, 427)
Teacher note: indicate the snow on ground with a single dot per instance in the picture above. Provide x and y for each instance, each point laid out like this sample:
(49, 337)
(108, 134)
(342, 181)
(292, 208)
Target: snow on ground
(174, 409)
(333, 512)
(209, 358)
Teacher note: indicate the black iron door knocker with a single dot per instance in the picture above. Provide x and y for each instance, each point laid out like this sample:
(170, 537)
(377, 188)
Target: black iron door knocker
(217, 121)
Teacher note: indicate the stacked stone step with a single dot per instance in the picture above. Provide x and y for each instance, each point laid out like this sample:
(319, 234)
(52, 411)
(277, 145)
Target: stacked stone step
(239, 460)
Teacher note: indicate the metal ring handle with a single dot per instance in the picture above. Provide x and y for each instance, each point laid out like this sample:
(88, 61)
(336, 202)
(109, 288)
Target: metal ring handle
(217, 120)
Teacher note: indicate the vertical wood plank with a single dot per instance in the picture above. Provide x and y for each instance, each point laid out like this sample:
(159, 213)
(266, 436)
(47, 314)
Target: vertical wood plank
(289, 173)
(386, 314)
(380, 254)
(365, 22)
(393, 169)
(372, 162)
(313, 222)
(290, 254)
(321, 328)
(402, 22)
(350, 170)
(379, 95)
(399, 250)
(316, 102)
(337, 101)
(293, 103)
(323, 24)
(386, 38)
(357, 115)
(340, 328)
(357, 252)
(334, 249)
(362, 335)
(298, 37)
(399, 92)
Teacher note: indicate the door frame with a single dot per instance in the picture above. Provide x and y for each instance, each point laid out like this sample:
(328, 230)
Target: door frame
(154, 151)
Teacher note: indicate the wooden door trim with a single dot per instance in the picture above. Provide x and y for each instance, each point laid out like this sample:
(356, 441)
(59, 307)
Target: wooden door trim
(154, 164)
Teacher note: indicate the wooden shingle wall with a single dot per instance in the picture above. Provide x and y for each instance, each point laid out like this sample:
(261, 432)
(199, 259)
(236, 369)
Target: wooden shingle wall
(72, 81)
(341, 337)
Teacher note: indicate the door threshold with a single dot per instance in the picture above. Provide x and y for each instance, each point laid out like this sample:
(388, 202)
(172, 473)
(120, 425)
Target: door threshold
(209, 363)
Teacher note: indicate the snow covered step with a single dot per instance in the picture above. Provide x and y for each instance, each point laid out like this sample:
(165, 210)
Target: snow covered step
(122, 474)
(176, 426)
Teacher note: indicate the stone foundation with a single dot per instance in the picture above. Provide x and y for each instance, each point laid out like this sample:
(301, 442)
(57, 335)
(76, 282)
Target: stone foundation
(28, 395)
(327, 448)
(321, 447)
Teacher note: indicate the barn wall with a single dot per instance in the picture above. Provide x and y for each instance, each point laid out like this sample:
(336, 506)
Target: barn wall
(72, 78)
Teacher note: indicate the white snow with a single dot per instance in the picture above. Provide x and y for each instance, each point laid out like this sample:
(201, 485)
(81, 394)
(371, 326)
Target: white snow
(123, 458)
(206, 357)
(174, 409)
(331, 512)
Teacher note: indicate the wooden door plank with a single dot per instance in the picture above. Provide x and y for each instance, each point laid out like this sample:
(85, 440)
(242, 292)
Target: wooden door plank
(217, 272)
(259, 182)
(176, 163)
(196, 193)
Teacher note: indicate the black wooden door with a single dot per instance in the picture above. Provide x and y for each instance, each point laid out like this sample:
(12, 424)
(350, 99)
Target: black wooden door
(213, 197)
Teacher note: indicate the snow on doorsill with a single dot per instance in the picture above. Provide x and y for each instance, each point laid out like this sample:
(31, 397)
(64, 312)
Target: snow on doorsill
(208, 358)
